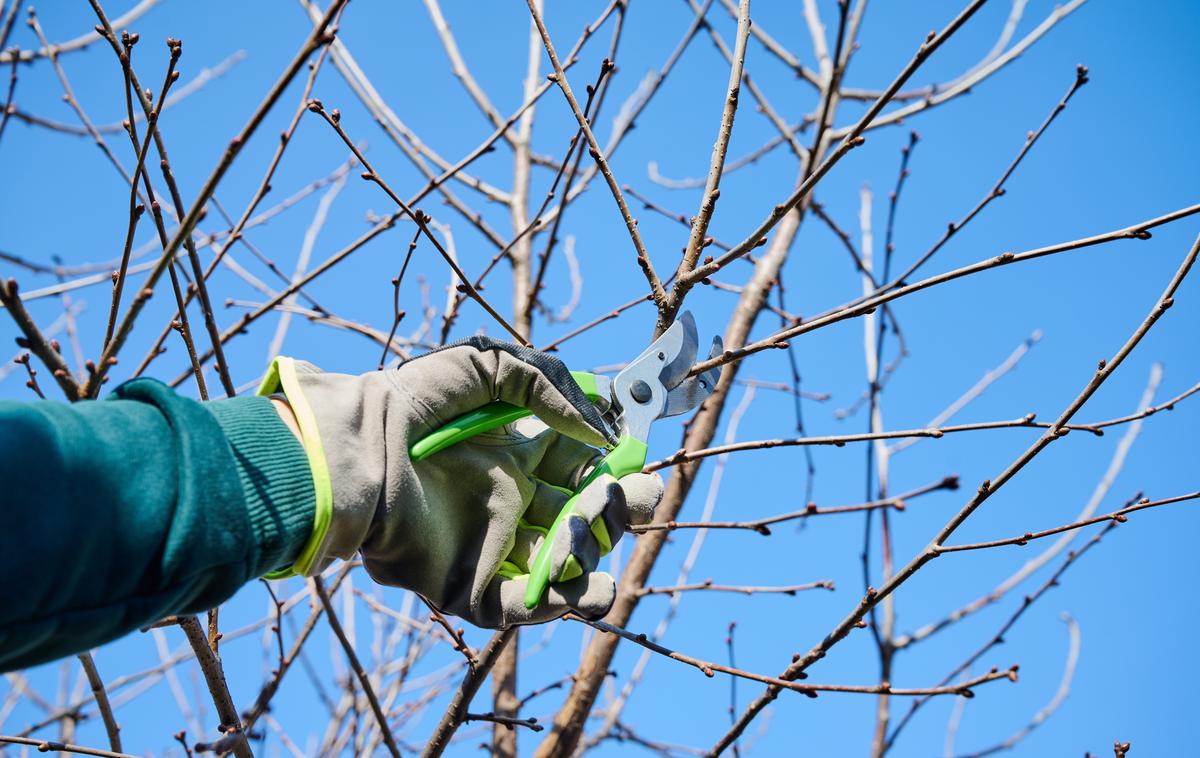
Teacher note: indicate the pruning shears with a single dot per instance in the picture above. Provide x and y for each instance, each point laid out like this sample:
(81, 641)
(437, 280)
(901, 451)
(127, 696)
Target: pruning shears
(654, 385)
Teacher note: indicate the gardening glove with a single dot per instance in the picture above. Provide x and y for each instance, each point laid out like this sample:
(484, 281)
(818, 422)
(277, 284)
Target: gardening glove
(462, 526)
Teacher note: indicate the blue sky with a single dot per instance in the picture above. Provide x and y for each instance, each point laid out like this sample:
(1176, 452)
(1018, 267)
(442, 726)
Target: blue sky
(1120, 153)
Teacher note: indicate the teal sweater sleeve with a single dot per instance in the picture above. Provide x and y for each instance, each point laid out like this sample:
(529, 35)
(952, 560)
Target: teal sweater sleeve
(121, 511)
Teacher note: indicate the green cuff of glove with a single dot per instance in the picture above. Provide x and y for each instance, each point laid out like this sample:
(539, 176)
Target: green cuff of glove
(276, 478)
(281, 377)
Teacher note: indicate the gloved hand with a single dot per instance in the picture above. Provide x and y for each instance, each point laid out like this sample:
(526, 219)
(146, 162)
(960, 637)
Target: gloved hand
(444, 526)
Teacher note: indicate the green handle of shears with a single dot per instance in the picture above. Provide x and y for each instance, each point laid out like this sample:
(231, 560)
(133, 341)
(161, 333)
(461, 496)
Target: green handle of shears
(491, 416)
(628, 457)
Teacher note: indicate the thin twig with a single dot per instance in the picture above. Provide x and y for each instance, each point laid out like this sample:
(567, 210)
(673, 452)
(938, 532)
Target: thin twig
(897, 502)
(850, 140)
(1139, 231)
(643, 258)
(36, 342)
(45, 746)
(364, 681)
(1060, 695)
(811, 690)
(707, 584)
(1100, 491)
(79, 43)
(31, 382)
(504, 721)
(998, 190)
(334, 121)
(712, 191)
(453, 717)
(318, 37)
(214, 677)
(102, 704)
(1119, 516)
(985, 491)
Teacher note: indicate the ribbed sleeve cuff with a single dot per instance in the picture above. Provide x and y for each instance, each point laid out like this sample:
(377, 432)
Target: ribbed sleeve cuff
(277, 482)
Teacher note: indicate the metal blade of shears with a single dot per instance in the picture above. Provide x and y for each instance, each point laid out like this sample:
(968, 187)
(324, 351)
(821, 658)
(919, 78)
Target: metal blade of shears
(677, 368)
(692, 391)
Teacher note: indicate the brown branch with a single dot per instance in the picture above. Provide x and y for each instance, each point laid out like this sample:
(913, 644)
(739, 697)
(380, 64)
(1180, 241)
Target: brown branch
(569, 722)
(1139, 231)
(9, 109)
(319, 36)
(263, 701)
(277, 625)
(236, 232)
(364, 681)
(935, 96)
(852, 139)
(811, 690)
(453, 717)
(181, 738)
(124, 53)
(398, 314)
(985, 491)
(840, 440)
(656, 288)
(898, 502)
(334, 121)
(707, 584)
(997, 190)
(456, 639)
(79, 43)
(1169, 405)
(998, 638)
(1039, 718)
(712, 190)
(1100, 491)
(152, 113)
(505, 721)
(214, 677)
(45, 746)
(31, 382)
(102, 704)
(36, 342)
(1118, 516)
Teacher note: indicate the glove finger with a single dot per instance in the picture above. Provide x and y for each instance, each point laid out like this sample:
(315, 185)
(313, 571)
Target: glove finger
(574, 551)
(526, 541)
(503, 605)
(545, 505)
(643, 492)
(566, 461)
(467, 375)
(601, 505)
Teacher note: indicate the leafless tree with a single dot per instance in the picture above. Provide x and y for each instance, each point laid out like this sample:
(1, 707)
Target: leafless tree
(375, 704)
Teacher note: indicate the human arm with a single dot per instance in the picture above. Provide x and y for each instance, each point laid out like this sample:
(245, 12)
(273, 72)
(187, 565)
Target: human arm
(121, 511)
